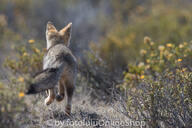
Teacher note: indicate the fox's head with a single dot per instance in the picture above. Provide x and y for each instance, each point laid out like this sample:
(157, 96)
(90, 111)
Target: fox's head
(54, 37)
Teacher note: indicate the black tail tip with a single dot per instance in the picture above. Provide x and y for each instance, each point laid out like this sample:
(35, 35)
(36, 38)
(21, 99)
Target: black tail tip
(30, 90)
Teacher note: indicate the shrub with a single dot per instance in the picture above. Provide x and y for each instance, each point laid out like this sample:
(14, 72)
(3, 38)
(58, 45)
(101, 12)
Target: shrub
(12, 103)
(29, 59)
(163, 23)
(158, 88)
(27, 63)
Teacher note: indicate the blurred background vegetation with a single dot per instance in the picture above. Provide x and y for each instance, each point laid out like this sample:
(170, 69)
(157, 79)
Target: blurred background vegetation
(138, 49)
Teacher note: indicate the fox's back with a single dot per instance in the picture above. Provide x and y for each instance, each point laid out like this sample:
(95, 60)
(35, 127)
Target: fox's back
(58, 54)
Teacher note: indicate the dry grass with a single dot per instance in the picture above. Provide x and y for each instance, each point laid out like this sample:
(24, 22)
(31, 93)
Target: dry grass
(83, 110)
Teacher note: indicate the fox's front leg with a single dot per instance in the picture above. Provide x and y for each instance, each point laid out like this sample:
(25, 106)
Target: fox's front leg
(51, 97)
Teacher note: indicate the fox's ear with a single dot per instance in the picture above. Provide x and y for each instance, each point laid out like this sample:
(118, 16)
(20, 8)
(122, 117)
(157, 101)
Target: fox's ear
(50, 27)
(66, 33)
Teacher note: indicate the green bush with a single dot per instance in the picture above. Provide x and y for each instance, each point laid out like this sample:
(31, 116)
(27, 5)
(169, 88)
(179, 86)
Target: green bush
(158, 88)
(28, 62)
(29, 59)
(163, 23)
(12, 103)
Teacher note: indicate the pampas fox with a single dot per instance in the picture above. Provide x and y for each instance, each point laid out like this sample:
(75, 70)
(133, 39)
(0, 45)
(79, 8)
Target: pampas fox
(59, 67)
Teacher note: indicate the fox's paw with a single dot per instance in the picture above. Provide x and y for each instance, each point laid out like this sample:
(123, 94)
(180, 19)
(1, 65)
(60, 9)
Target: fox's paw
(59, 98)
(48, 100)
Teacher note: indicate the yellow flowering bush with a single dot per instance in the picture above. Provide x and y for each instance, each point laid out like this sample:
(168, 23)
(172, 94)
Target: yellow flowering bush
(12, 103)
(158, 88)
(28, 61)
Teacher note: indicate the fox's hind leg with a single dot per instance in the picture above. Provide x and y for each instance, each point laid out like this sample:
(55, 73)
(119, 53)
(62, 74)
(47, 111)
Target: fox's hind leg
(69, 85)
(61, 90)
(51, 97)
